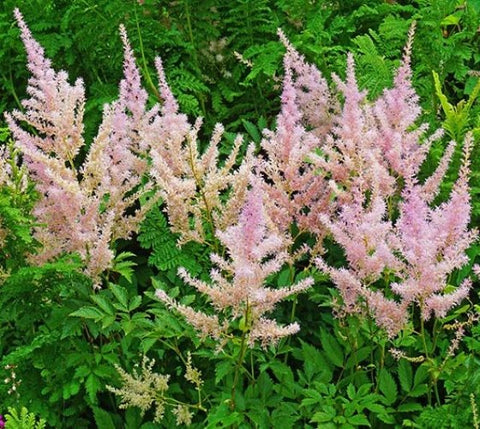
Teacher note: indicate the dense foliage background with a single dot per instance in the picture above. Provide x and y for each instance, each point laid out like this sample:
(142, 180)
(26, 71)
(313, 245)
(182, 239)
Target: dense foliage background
(61, 340)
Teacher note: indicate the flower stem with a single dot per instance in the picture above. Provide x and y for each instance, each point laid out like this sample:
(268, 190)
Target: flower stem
(241, 356)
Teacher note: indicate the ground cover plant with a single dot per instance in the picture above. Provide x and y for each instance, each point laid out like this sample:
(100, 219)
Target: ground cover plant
(160, 270)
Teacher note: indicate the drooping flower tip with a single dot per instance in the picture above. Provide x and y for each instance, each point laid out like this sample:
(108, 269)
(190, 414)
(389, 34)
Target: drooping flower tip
(283, 38)
(170, 105)
(408, 47)
(476, 269)
(439, 305)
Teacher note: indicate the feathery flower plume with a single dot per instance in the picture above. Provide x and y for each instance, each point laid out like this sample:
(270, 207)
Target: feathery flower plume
(396, 113)
(192, 183)
(297, 192)
(418, 251)
(371, 145)
(237, 289)
(392, 262)
(81, 210)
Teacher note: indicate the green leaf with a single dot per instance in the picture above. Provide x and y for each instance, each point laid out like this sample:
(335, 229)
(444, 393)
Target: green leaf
(103, 419)
(285, 416)
(92, 386)
(123, 266)
(420, 375)
(88, 312)
(313, 397)
(82, 371)
(418, 391)
(327, 415)
(450, 20)
(375, 408)
(104, 304)
(321, 417)
(134, 303)
(120, 293)
(133, 418)
(222, 369)
(387, 386)
(405, 375)
(409, 407)
(315, 363)
(351, 391)
(359, 420)
(283, 278)
(252, 130)
(331, 348)
(224, 416)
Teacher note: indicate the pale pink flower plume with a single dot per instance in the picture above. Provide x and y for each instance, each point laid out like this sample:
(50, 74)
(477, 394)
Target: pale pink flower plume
(81, 210)
(297, 192)
(192, 184)
(418, 251)
(237, 288)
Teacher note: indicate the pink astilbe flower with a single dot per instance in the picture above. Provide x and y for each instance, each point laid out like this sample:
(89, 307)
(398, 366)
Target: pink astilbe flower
(396, 112)
(367, 237)
(312, 94)
(417, 251)
(350, 155)
(237, 288)
(373, 144)
(81, 210)
(297, 192)
(192, 183)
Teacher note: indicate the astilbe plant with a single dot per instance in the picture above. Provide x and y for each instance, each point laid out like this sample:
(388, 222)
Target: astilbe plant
(373, 146)
(399, 249)
(297, 191)
(84, 209)
(238, 291)
(192, 184)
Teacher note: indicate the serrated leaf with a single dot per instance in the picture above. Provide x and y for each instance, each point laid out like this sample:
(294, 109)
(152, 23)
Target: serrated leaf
(409, 407)
(418, 391)
(120, 293)
(134, 302)
(252, 130)
(450, 20)
(103, 419)
(386, 418)
(327, 415)
(387, 386)
(375, 408)
(82, 372)
(331, 348)
(133, 418)
(405, 375)
(92, 386)
(421, 374)
(108, 320)
(351, 391)
(315, 363)
(124, 266)
(104, 304)
(282, 372)
(221, 370)
(88, 313)
(359, 420)
(313, 397)
(285, 416)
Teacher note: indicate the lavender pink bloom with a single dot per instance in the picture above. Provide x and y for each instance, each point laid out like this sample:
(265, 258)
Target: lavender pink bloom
(238, 289)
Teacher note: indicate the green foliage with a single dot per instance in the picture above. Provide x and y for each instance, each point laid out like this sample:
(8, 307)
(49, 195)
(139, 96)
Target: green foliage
(22, 420)
(165, 254)
(457, 118)
(62, 340)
